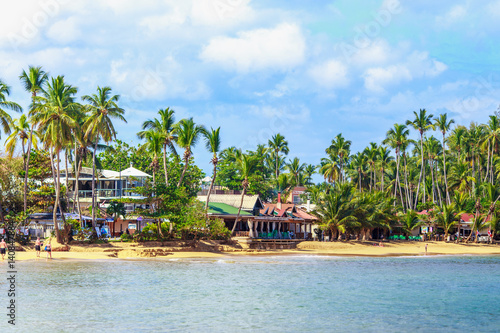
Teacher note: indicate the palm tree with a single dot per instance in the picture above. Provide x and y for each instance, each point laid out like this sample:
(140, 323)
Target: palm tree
(33, 82)
(444, 126)
(309, 170)
(384, 159)
(358, 163)
(246, 165)
(153, 145)
(422, 123)
(279, 145)
(296, 168)
(188, 134)
(5, 119)
(102, 108)
(446, 217)
(492, 141)
(20, 133)
(329, 168)
(340, 147)
(371, 153)
(166, 126)
(410, 220)
(55, 112)
(212, 143)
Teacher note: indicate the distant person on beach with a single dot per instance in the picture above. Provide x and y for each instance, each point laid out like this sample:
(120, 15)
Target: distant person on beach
(48, 249)
(426, 248)
(3, 247)
(38, 244)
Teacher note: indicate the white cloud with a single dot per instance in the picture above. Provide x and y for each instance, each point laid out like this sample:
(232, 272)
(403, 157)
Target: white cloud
(331, 74)
(221, 13)
(454, 15)
(64, 31)
(280, 48)
(377, 52)
(417, 65)
(494, 8)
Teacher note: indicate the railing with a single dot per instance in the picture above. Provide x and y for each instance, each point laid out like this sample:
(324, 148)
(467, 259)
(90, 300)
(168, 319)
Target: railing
(106, 193)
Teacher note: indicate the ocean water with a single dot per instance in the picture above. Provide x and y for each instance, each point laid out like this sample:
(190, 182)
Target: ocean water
(258, 294)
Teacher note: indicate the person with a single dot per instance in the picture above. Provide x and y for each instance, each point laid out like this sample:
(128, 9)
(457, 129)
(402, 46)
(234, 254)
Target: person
(381, 244)
(127, 232)
(48, 249)
(38, 244)
(3, 247)
(426, 248)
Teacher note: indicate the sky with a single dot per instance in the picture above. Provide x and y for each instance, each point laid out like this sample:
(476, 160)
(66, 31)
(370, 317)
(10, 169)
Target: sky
(306, 69)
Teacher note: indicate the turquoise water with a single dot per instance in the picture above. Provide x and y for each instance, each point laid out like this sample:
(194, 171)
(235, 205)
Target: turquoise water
(271, 293)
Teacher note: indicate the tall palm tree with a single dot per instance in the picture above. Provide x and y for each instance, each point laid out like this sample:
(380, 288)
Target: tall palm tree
(55, 111)
(384, 159)
(422, 123)
(371, 153)
(166, 126)
(102, 109)
(279, 145)
(309, 170)
(154, 144)
(296, 169)
(329, 168)
(188, 134)
(212, 143)
(33, 82)
(444, 125)
(340, 147)
(491, 143)
(246, 165)
(358, 164)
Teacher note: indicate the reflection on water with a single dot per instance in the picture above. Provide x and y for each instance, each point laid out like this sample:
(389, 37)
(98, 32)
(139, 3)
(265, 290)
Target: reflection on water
(265, 293)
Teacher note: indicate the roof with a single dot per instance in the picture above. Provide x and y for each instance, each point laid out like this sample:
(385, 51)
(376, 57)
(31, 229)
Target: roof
(249, 201)
(217, 208)
(287, 210)
(132, 172)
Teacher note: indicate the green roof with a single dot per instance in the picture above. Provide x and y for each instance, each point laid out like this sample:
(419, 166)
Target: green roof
(224, 209)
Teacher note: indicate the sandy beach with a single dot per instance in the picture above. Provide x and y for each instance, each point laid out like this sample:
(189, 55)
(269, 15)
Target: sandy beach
(119, 250)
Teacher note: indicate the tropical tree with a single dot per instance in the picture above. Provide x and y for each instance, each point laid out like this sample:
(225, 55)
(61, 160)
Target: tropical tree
(33, 82)
(54, 112)
(341, 148)
(444, 125)
(102, 108)
(422, 123)
(115, 209)
(212, 143)
(296, 169)
(166, 127)
(409, 221)
(309, 171)
(188, 134)
(278, 145)
(446, 217)
(396, 138)
(153, 145)
(246, 165)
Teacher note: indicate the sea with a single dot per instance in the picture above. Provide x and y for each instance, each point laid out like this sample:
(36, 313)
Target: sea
(256, 294)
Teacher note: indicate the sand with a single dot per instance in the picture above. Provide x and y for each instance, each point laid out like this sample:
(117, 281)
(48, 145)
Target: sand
(113, 251)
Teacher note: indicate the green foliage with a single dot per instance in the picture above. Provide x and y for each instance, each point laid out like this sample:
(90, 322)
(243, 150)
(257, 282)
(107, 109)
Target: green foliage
(120, 155)
(39, 168)
(218, 230)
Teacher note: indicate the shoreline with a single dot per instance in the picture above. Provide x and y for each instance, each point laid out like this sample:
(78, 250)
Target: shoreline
(136, 251)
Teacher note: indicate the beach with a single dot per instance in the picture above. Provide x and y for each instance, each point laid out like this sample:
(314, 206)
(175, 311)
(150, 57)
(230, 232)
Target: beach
(118, 250)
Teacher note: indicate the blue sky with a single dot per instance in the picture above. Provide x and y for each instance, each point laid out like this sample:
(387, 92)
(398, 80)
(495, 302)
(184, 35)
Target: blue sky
(306, 69)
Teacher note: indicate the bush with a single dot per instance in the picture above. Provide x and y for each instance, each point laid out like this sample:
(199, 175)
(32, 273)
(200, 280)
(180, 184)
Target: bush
(218, 230)
(125, 237)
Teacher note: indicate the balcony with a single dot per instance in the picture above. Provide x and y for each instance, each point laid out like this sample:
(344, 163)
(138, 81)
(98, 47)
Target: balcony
(106, 193)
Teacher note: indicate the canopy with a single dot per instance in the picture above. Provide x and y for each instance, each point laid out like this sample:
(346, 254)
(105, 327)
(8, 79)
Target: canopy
(133, 172)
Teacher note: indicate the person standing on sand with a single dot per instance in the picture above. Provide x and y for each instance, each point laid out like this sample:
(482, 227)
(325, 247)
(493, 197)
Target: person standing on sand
(38, 244)
(3, 247)
(48, 249)
(426, 249)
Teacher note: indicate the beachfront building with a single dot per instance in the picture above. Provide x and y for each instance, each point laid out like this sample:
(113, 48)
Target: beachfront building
(109, 184)
(261, 220)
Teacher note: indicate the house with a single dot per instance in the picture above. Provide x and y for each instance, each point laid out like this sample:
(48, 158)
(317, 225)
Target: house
(109, 184)
(295, 195)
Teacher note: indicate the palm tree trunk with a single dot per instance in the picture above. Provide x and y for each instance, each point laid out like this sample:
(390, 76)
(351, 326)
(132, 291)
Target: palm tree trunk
(421, 169)
(59, 193)
(239, 210)
(93, 187)
(77, 188)
(56, 190)
(165, 163)
(26, 168)
(445, 176)
(433, 183)
(211, 186)
(186, 159)
(407, 190)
